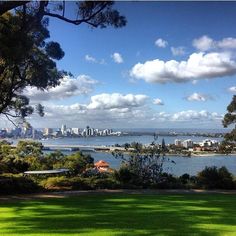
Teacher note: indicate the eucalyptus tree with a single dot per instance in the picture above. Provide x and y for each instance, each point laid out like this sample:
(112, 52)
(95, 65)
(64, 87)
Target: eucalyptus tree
(28, 58)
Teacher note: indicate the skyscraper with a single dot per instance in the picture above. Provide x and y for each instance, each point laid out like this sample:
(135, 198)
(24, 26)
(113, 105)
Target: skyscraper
(63, 129)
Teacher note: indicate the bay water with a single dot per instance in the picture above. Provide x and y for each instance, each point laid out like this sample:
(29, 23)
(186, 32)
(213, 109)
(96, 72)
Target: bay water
(183, 164)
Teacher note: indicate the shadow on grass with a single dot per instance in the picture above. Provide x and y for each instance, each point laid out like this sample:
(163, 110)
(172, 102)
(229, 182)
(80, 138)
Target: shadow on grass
(210, 215)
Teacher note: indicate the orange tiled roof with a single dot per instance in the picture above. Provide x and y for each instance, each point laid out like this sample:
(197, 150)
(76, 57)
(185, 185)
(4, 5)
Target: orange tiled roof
(101, 163)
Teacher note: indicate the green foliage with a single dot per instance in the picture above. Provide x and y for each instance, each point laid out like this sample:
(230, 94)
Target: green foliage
(79, 183)
(10, 160)
(137, 146)
(226, 147)
(77, 162)
(230, 119)
(105, 183)
(56, 182)
(168, 181)
(127, 178)
(214, 178)
(17, 184)
(27, 58)
(29, 148)
(143, 167)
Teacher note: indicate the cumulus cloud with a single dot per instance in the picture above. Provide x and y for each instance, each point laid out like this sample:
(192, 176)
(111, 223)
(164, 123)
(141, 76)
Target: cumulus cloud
(117, 58)
(232, 89)
(203, 43)
(158, 101)
(125, 116)
(191, 115)
(177, 51)
(161, 43)
(206, 43)
(103, 110)
(116, 100)
(68, 87)
(90, 59)
(198, 97)
(198, 66)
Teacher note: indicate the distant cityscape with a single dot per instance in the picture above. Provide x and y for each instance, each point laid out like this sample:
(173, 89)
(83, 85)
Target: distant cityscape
(64, 131)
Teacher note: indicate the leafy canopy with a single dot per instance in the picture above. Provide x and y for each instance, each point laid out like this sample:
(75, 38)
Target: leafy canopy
(28, 58)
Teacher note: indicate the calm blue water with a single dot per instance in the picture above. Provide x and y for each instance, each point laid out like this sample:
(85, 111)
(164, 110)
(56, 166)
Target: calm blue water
(112, 140)
(183, 164)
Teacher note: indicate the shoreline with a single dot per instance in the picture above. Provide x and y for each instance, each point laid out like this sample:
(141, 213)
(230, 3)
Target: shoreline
(178, 155)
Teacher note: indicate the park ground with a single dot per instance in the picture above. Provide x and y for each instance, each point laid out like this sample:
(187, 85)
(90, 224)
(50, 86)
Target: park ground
(119, 213)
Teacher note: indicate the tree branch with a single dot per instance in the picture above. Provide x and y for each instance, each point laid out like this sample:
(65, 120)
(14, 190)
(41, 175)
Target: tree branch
(9, 5)
(78, 22)
(9, 119)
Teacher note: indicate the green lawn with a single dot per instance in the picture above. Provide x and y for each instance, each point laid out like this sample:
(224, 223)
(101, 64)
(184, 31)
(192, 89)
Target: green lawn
(195, 214)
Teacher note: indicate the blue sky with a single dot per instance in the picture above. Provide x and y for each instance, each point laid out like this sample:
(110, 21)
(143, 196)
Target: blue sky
(121, 93)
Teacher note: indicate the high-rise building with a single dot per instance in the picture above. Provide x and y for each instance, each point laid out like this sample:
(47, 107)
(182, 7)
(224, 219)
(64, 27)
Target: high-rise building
(47, 131)
(178, 142)
(63, 129)
(75, 131)
(188, 143)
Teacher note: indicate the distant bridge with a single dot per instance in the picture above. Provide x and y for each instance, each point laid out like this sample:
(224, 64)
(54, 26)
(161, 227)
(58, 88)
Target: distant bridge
(84, 148)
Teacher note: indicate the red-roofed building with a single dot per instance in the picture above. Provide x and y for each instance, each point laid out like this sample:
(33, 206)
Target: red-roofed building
(102, 166)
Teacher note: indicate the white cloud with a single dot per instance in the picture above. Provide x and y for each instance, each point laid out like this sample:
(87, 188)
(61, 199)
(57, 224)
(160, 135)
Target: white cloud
(227, 43)
(232, 89)
(198, 66)
(116, 100)
(90, 59)
(68, 87)
(203, 43)
(158, 101)
(123, 115)
(161, 43)
(104, 110)
(191, 115)
(117, 58)
(206, 43)
(178, 51)
(198, 97)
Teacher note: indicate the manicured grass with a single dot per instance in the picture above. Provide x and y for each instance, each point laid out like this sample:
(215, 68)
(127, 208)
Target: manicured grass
(121, 214)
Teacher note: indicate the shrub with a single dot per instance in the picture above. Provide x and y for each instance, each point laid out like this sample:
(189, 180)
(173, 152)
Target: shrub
(105, 183)
(185, 178)
(124, 175)
(213, 178)
(17, 184)
(79, 183)
(61, 182)
(168, 181)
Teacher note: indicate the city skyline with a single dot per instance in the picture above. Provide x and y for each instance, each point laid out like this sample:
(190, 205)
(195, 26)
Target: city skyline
(172, 66)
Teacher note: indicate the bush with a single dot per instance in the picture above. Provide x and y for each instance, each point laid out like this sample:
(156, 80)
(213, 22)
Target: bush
(17, 184)
(61, 182)
(127, 178)
(214, 178)
(105, 183)
(168, 181)
(79, 183)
